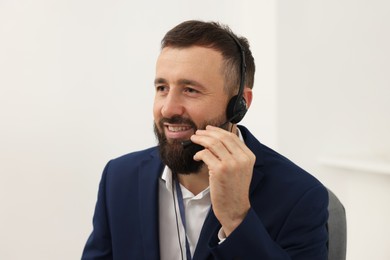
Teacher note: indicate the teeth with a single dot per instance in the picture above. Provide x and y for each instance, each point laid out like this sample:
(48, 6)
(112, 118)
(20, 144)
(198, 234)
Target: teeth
(178, 128)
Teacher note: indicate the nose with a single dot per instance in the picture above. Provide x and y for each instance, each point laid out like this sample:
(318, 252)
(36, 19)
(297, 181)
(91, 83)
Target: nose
(172, 106)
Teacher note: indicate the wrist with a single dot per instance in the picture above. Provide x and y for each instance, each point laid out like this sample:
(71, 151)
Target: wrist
(229, 226)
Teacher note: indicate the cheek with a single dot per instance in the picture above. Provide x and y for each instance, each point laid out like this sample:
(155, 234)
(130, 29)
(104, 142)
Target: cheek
(208, 113)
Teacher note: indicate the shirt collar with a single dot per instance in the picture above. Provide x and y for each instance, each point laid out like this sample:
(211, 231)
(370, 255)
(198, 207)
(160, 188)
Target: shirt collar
(167, 178)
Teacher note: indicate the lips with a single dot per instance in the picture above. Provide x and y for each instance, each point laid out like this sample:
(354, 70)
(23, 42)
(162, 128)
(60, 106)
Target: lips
(178, 131)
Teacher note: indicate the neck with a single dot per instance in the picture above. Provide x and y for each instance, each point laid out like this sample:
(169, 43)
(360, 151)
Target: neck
(195, 182)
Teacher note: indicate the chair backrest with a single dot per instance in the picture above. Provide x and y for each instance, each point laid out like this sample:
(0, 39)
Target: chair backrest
(337, 229)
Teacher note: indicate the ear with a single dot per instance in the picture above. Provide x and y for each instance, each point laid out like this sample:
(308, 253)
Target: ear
(247, 96)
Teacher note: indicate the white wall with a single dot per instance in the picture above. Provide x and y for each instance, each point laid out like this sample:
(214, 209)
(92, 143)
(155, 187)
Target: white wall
(333, 107)
(76, 89)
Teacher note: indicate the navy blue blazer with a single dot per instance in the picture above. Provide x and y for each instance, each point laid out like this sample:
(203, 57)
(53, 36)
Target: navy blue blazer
(287, 219)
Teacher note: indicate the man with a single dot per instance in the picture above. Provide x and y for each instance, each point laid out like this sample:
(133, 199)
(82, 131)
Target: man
(210, 190)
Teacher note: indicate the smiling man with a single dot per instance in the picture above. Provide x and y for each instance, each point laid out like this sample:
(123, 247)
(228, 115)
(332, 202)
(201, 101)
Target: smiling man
(210, 189)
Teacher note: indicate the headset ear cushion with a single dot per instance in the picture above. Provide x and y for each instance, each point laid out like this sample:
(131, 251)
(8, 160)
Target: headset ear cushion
(237, 114)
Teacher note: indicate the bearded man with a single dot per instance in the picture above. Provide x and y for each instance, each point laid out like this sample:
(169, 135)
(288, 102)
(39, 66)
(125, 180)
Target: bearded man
(210, 189)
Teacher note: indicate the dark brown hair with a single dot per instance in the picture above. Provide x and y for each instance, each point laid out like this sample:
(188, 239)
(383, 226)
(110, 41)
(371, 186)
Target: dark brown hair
(218, 37)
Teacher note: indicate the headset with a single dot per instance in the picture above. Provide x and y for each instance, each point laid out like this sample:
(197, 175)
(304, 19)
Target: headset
(236, 108)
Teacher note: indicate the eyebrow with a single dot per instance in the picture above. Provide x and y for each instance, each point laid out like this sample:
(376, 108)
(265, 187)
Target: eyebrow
(159, 81)
(179, 82)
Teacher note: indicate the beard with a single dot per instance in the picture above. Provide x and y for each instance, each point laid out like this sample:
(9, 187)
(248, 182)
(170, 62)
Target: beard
(178, 158)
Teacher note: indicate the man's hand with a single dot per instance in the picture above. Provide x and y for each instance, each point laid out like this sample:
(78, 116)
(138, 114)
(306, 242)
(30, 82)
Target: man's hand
(230, 164)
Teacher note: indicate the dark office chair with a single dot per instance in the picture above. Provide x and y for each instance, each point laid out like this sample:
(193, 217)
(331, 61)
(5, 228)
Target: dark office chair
(337, 229)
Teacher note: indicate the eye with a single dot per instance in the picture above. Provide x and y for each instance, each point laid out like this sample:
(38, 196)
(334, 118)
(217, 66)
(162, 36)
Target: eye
(161, 88)
(191, 90)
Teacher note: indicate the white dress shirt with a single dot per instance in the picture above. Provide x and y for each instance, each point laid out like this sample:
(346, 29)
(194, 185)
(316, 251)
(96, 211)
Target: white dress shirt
(196, 210)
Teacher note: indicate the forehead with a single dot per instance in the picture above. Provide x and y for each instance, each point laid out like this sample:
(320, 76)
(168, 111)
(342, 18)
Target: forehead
(189, 62)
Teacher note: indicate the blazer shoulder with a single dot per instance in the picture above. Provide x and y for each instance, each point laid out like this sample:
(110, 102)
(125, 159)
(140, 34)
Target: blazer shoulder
(276, 168)
(138, 156)
(132, 161)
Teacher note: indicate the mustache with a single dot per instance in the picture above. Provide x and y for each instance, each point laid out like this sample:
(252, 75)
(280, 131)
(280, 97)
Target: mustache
(177, 120)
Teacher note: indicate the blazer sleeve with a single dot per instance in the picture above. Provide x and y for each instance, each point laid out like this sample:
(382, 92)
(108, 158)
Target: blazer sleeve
(303, 235)
(98, 245)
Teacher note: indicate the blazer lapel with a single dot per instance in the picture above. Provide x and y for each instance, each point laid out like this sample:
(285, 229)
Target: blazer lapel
(257, 148)
(210, 226)
(149, 172)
